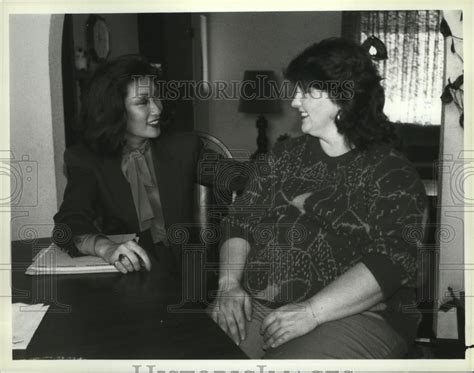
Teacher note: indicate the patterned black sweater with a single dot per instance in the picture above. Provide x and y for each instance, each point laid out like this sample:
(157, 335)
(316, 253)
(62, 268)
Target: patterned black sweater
(310, 217)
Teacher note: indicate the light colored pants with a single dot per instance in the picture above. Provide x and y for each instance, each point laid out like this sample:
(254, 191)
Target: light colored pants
(363, 336)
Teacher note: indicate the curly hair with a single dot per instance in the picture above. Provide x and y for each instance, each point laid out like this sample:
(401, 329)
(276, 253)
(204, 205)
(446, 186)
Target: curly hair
(103, 117)
(346, 72)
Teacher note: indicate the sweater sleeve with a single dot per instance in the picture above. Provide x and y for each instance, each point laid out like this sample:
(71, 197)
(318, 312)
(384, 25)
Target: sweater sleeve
(397, 206)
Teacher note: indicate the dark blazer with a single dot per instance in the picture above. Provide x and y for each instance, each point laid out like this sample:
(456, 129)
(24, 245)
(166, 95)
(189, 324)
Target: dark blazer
(98, 198)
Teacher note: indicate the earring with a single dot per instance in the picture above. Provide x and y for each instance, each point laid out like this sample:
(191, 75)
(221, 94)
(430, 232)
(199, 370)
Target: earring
(338, 116)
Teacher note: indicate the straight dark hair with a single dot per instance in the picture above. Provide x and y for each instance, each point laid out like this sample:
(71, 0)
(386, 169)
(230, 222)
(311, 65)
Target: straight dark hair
(103, 117)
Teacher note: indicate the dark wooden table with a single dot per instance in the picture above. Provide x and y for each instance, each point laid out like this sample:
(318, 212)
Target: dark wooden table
(115, 316)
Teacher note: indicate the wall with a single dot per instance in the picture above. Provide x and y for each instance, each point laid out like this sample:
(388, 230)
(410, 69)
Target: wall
(451, 255)
(57, 108)
(34, 182)
(259, 41)
(123, 32)
(237, 41)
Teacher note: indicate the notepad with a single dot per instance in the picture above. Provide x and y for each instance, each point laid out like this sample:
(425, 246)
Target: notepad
(53, 260)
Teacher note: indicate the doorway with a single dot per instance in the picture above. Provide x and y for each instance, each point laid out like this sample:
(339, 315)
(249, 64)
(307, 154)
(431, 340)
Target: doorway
(163, 38)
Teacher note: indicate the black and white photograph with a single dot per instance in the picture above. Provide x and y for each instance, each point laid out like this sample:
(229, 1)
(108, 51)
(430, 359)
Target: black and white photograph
(259, 189)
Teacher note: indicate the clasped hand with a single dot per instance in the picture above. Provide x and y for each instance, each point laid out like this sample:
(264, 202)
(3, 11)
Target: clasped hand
(286, 323)
(127, 257)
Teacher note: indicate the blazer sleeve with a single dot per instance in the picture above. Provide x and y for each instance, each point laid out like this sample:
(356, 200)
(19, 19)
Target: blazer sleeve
(76, 214)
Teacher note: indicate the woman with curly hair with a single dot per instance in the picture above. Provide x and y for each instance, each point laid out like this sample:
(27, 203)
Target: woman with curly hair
(317, 262)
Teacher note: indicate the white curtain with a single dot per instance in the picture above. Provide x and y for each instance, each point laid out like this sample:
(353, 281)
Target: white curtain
(413, 72)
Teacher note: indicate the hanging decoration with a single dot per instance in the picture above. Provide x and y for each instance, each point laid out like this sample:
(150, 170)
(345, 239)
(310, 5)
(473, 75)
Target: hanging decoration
(97, 38)
(376, 48)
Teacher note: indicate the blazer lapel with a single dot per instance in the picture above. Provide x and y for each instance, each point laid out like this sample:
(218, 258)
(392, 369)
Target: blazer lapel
(120, 191)
(166, 170)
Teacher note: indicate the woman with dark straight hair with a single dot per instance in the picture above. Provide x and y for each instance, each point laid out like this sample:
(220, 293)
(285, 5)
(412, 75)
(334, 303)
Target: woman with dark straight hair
(104, 107)
(126, 175)
(323, 264)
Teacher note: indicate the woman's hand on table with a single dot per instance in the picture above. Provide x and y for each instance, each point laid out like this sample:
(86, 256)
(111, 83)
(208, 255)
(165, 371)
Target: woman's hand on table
(127, 256)
(232, 308)
(286, 323)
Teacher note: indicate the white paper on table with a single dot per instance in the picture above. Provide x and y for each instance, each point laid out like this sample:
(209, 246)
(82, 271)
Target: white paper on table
(26, 319)
(53, 260)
